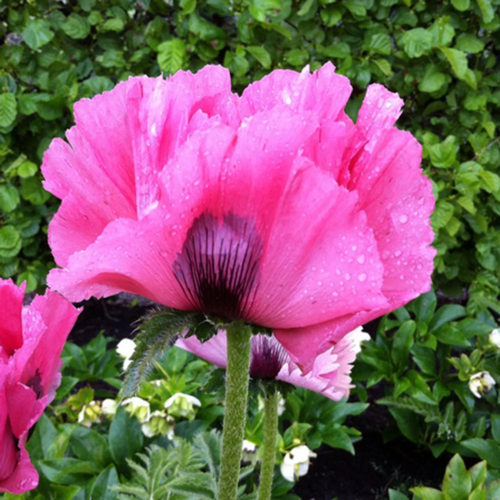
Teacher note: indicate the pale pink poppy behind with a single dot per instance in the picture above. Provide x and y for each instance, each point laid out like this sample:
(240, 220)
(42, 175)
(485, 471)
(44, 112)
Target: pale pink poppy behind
(271, 207)
(329, 374)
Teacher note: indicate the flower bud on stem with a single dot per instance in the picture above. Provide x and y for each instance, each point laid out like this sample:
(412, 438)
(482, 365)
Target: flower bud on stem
(237, 378)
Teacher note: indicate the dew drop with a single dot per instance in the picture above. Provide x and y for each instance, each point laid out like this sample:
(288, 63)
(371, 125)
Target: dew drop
(347, 276)
(361, 258)
(403, 219)
(362, 277)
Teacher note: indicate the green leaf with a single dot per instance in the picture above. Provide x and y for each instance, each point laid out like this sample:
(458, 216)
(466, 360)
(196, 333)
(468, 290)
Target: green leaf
(478, 474)
(487, 10)
(68, 470)
(380, 43)
(469, 43)
(76, 27)
(457, 483)
(445, 314)
(104, 483)
(331, 16)
(10, 242)
(424, 493)
(451, 335)
(495, 427)
(442, 32)
(417, 42)
(9, 198)
(8, 109)
(337, 438)
(442, 214)
(125, 437)
(37, 33)
(487, 449)
(432, 80)
(396, 495)
(408, 423)
(90, 446)
(402, 343)
(457, 60)
(261, 54)
(461, 5)
(297, 57)
(171, 55)
(305, 8)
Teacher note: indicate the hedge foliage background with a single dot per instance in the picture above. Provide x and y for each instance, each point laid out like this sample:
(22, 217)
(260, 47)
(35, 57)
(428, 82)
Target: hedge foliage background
(441, 56)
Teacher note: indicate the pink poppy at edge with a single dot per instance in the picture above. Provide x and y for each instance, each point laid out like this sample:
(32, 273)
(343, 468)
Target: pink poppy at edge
(31, 342)
(329, 374)
(272, 207)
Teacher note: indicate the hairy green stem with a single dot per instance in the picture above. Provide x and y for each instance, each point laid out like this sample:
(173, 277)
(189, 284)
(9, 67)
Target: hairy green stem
(269, 446)
(237, 376)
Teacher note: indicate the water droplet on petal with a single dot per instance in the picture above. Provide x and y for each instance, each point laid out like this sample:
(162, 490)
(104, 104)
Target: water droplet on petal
(361, 258)
(403, 219)
(362, 277)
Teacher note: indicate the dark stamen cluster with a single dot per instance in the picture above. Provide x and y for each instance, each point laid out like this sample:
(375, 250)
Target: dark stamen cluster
(219, 265)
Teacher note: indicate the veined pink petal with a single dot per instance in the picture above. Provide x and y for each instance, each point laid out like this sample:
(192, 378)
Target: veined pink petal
(323, 93)
(11, 332)
(332, 230)
(121, 141)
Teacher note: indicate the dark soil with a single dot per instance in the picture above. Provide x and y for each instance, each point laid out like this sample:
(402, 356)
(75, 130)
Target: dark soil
(376, 467)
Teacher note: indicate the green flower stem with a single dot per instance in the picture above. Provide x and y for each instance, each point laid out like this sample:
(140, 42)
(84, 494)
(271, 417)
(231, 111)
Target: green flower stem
(269, 446)
(237, 377)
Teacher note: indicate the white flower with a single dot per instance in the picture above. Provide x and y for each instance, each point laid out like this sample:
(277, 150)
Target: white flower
(125, 349)
(481, 383)
(138, 408)
(281, 406)
(182, 405)
(109, 407)
(495, 337)
(90, 414)
(296, 463)
(158, 424)
(249, 450)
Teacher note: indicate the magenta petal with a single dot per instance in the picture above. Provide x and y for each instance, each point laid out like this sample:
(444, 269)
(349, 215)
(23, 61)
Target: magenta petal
(11, 333)
(93, 175)
(332, 270)
(112, 264)
(324, 93)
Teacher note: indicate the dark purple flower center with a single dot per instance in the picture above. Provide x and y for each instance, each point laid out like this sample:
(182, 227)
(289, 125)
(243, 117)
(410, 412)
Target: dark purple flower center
(219, 265)
(35, 383)
(268, 357)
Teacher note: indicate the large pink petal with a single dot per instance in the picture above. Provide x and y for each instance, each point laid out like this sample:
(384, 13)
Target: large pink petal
(11, 333)
(323, 93)
(159, 113)
(333, 269)
(112, 264)
(93, 175)
(396, 197)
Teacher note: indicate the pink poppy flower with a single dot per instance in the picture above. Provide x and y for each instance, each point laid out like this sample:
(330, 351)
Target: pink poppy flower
(271, 207)
(31, 341)
(329, 374)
